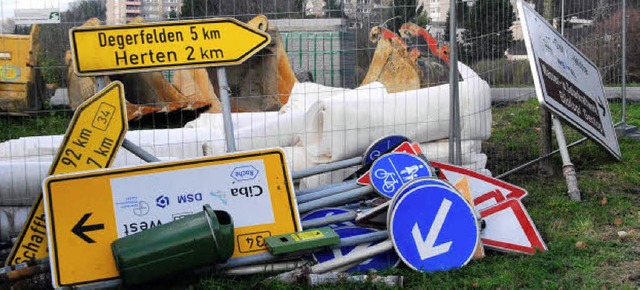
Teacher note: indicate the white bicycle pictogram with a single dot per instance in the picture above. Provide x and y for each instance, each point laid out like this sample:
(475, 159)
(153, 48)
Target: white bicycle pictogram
(390, 180)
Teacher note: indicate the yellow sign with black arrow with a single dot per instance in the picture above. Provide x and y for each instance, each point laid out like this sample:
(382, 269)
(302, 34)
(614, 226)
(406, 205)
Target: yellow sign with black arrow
(164, 45)
(87, 211)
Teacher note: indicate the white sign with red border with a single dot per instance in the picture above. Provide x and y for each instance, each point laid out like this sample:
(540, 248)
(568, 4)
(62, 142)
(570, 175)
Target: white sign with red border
(485, 191)
(510, 229)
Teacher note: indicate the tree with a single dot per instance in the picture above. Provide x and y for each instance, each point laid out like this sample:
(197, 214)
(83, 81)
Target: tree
(403, 11)
(423, 19)
(488, 33)
(603, 45)
(462, 13)
(54, 38)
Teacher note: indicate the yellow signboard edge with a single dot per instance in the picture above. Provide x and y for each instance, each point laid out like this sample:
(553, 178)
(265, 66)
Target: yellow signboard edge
(46, 185)
(72, 123)
(89, 73)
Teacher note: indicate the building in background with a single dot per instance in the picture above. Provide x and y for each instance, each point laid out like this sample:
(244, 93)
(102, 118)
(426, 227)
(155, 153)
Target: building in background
(121, 11)
(436, 10)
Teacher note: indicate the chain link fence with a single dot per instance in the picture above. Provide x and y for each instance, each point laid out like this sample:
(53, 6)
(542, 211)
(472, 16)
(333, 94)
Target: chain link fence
(336, 76)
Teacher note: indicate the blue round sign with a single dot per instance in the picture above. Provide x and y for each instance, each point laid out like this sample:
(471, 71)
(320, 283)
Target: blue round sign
(382, 146)
(433, 229)
(418, 182)
(326, 212)
(391, 171)
(378, 262)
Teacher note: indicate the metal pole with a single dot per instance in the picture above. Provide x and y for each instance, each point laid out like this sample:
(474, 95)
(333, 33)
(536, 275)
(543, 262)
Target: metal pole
(562, 18)
(454, 105)
(321, 187)
(336, 199)
(101, 83)
(539, 159)
(323, 221)
(624, 66)
(353, 256)
(265, 268)
(138, 151)
(268, 257)
(226, 109)
(322, 168)
(568, 169)
(327, 192)
(501, 175)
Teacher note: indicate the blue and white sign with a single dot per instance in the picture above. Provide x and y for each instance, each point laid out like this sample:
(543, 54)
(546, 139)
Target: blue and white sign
(433, 229)
(418, 182)
(379, 262)
(327, 212)
(382, 146)
(391, 171)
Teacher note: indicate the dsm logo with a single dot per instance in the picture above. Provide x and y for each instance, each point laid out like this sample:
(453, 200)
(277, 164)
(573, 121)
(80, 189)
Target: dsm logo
(162, 201)
(242, 173)
(191, 197)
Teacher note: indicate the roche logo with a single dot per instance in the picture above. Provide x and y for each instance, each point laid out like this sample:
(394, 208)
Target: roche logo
(162, 201)
(242, 173)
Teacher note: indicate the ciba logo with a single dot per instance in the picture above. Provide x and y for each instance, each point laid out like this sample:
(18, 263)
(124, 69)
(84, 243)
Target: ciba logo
(162, 201)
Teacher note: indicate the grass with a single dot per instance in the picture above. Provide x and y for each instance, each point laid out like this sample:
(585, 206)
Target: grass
(45, 123)
(585, 249)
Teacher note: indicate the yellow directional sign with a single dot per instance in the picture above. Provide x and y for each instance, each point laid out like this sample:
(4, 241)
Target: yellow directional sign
(163, 45)
(91, 142)
(87, 211)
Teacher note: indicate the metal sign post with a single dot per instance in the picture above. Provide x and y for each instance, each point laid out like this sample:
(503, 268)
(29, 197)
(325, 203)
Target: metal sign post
(226, 109)
(568, 169)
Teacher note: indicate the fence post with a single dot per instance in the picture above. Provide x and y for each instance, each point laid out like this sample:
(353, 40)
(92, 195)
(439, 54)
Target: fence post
(455, 145)
(546, 167)
(624, 66)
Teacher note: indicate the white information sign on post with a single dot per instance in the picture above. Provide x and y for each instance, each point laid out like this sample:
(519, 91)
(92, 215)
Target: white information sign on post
(566, 81)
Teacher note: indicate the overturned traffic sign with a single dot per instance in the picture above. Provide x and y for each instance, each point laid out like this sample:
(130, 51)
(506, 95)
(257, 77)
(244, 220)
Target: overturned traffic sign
(253, 187)
(510, 229)
(91, 142)
(163, 45)
(433, 228)
(378, 262)
(566, 81)
(403, 147)
(393, 170)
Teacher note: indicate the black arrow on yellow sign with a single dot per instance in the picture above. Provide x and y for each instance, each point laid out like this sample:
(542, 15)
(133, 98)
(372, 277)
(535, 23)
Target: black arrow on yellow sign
(80, 229)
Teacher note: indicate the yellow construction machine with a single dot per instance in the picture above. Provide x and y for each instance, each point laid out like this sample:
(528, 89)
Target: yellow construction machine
(21, 86)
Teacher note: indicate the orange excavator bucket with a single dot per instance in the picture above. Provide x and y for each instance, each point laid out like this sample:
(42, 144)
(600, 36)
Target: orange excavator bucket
(433, 59)
(392, 64)
(263, 82)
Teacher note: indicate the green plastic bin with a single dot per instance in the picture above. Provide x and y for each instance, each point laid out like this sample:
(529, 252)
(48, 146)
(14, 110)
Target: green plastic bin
(196, 240)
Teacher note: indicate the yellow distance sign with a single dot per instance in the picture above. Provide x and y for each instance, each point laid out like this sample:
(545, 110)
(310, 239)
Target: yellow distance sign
(86, 212)
(163, 45)
(92, 140)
